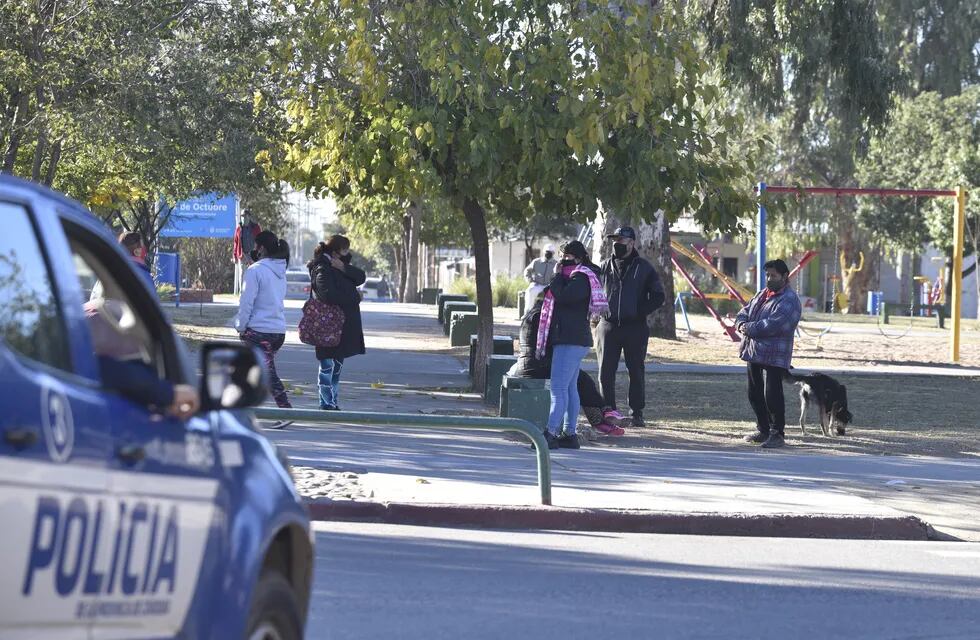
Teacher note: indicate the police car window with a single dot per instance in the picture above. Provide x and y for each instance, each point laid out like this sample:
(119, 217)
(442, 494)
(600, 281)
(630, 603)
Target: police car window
(116, 329)
(30, 321)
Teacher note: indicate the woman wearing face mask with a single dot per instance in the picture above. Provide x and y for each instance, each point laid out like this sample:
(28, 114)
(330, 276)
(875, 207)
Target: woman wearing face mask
(573, 296)
(261, 319)
(335, 281)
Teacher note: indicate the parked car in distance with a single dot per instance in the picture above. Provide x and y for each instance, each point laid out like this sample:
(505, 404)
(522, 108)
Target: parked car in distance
(297, 283)
(376, 289)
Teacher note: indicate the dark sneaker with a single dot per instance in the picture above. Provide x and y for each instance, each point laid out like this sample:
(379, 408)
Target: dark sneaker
(775, 441)
(756, 438)
(568, 441)
(550, 438)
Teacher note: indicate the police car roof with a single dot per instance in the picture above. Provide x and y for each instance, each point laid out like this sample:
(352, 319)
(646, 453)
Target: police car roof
(71, 209)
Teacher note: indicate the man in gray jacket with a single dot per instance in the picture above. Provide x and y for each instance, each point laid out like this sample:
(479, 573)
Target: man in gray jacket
(768, 324)
(539, 273)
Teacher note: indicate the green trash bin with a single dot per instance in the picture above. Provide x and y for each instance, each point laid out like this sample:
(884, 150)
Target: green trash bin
(430, 295)
(502, 346)
(453, 306)
(526, 398)
(441, 301)
(497, 367)
(462, 325)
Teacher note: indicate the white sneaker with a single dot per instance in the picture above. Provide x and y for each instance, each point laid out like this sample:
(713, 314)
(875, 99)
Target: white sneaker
(279, 424)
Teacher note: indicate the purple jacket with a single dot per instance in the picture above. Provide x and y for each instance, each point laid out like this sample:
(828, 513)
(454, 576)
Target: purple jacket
(769, 328)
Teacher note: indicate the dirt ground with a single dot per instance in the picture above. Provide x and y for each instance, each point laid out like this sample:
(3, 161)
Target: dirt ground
(846, 344)
(893, 415)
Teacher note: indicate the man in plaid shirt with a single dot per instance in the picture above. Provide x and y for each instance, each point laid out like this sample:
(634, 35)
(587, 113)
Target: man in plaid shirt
(767, 324)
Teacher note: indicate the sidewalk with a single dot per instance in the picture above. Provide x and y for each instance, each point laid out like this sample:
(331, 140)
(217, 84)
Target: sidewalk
(452, 477)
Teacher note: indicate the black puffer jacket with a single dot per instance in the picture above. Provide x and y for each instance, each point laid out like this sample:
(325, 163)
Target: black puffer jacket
(334, 286)
(570, 320)
(633, 289)
(528, 365)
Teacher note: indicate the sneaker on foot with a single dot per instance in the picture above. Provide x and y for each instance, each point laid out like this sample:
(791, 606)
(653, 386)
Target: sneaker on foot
(757, 438)
(550, 438)
(637, 420)
(610, 429)
(775, 441)
(568, 441)
(279, 424)
(615, 418)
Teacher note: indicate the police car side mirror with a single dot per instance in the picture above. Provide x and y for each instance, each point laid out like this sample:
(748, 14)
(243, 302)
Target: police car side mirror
(234, 376)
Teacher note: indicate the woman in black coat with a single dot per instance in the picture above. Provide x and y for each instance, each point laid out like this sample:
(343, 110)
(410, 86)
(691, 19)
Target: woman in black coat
(334, 280)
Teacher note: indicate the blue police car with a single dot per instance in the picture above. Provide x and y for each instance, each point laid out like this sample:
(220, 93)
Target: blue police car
(117, 519)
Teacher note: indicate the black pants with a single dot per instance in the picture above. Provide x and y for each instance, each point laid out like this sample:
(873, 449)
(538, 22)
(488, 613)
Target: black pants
(631, 341)
(766, 397)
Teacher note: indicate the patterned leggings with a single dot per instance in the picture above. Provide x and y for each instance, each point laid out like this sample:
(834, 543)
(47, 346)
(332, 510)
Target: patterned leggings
(269, 344)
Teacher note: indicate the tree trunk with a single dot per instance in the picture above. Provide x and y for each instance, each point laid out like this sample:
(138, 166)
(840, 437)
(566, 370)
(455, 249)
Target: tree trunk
(657, 250)
(16, 133)
(399, 283)
(476, 218)
(412, 277)
(53, 163)
(40, 150)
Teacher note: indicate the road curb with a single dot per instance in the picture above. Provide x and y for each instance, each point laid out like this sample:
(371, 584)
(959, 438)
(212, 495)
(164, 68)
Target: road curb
(625, 521)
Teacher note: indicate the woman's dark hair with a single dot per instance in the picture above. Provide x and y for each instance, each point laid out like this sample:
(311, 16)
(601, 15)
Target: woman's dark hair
(334, 245)
(578, 250)
(275, 247)
(130, 240)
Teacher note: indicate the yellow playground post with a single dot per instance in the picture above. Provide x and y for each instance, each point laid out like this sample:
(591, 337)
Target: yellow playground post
(956, 306)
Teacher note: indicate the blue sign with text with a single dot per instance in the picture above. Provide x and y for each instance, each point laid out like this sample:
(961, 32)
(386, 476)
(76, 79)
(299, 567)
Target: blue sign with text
(205, 216)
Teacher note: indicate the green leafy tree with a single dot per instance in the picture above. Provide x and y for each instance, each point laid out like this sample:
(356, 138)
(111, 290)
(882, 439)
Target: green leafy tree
(501, 106)
(931, 143)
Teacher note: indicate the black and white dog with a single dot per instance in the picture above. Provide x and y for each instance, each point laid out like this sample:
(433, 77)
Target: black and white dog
(830, 397)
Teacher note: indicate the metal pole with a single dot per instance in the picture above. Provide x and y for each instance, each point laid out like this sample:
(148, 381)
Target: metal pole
(956, 308)
(760, 250)
(413, 421)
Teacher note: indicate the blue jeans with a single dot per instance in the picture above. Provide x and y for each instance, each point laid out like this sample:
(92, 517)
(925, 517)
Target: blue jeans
(329, 382)
(566, 360)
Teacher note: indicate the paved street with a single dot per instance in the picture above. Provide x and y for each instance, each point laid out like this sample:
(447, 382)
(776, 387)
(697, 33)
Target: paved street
(382, 581)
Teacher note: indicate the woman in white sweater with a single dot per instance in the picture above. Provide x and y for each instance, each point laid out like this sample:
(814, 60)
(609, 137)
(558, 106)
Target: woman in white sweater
(261, 319)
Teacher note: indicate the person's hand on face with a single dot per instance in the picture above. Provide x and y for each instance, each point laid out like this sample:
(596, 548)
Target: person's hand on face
(337, 262)
(186, 402)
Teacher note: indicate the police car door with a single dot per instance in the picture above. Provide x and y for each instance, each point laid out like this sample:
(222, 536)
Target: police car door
(162, 474)
(54, 437)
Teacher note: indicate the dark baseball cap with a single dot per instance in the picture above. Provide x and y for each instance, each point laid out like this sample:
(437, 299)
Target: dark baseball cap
(623, 232)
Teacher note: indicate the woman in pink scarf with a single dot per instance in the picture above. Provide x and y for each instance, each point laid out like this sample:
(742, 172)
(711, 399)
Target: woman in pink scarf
(574, 295)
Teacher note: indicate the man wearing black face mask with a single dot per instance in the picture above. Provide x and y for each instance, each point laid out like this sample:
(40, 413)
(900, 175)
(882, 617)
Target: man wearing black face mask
(634, 291)
(768, 324)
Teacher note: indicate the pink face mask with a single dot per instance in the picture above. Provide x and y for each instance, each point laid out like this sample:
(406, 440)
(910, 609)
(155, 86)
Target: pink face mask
(142, 255)
(567, 271)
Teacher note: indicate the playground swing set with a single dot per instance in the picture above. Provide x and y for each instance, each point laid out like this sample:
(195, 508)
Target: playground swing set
(934, 293)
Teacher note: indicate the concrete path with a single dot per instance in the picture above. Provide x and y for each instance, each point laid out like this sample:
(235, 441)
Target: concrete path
(461, 468)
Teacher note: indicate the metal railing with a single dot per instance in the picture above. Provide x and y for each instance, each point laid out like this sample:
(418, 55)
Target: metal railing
(416, 421)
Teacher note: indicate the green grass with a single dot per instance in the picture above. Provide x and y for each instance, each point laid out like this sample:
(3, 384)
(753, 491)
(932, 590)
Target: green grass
(893, 415)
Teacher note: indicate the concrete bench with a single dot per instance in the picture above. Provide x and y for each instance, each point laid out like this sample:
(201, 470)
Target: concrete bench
(526, 398)
(462, 324)
(452, 307)
(441, 301)
(497, 368)
(502, 346)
